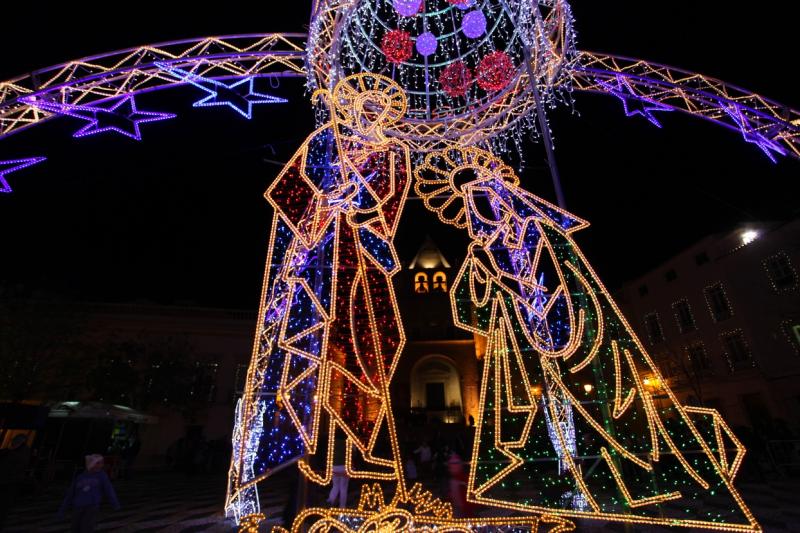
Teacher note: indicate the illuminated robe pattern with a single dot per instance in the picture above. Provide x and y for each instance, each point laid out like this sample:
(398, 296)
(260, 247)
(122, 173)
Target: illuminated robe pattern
(330, 334)
(545, 340)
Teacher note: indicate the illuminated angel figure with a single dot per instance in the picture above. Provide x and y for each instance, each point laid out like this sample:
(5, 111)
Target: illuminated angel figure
(552, 328)
(330, 333)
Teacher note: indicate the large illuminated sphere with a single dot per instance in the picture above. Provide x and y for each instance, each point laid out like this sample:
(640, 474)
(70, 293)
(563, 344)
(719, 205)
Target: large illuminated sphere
(500, 45)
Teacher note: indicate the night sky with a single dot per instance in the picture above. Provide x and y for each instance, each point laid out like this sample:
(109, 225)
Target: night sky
(180, 218)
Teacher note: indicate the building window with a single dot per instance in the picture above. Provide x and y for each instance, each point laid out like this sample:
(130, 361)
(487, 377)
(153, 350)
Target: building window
(736, 350)
(684, 317)
(440, 282)
(421, 283)
(643, 290)
(781, 272)
(203, 387)
(791, 329)
(698, 359)
(654, 331)
(718, 302)
(240, 379)
(671, 275)
(669, 367)
(701, 259)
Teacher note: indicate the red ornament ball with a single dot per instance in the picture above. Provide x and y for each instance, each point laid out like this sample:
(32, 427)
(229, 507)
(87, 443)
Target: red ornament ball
(455, 79)
(397, 46)
(495, 71)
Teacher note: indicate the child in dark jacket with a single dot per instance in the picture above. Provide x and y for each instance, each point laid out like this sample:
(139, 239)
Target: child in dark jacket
(86, 494)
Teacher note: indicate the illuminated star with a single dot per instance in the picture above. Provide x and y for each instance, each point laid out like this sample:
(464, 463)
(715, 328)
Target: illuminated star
(239, 96)
(763, 140)
(7, 167)
(633, 102)
(122, 116)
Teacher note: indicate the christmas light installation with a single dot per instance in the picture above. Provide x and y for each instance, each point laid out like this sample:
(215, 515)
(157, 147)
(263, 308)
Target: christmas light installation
(245, 456)
(634, 106)
(753, 136)
(513, 41)
(329, 327)
(340, 198)
(117, 116)
(14, 165)
(426, 92)
(97, 78)
(635, 461)
(419, 510)
(240, 95)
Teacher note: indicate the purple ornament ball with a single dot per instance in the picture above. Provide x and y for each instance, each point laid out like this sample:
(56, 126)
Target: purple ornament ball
(407, 8)
(474, 24)
(427, 44)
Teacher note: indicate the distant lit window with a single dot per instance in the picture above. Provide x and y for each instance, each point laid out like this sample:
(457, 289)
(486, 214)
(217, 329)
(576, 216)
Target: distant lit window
(698, 358)
(669, 367)
(792, 331)
(736, 350)
(684, 317)
(240, 378)
(421, 283)
(203, 386)
(654, 330)
(781, 272)
(718, 302)
(440, 282)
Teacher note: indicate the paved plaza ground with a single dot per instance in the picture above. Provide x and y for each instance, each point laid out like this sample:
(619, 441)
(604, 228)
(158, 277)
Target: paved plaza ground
(169, 502)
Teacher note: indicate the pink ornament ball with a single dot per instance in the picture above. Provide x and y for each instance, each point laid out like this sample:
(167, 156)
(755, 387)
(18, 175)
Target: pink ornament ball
(495, 71)
(397, 46)
(455, 79)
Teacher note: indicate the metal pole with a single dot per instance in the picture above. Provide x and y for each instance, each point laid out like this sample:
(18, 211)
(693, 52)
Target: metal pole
(540, 111)
(548, 143)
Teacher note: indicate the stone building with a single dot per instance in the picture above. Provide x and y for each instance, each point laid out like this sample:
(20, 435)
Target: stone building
(722, 319)
(437, 377)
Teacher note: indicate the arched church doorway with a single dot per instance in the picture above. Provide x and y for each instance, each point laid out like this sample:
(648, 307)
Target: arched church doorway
(436, 389)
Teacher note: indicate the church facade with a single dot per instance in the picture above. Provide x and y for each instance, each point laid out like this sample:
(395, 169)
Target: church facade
(437, 378)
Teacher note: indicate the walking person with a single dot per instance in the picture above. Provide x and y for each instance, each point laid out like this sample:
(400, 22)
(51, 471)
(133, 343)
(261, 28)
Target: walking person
(86, 494)
(340, 479)
(129, 454)
(458, 485)
(425, 455)
(411, 469)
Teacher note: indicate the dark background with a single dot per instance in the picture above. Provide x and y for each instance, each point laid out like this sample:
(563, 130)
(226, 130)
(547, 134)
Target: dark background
(180, 218)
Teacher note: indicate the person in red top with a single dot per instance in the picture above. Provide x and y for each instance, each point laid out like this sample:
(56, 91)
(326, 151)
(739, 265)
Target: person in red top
(86, 494)
(458, 486)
